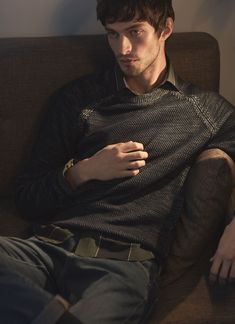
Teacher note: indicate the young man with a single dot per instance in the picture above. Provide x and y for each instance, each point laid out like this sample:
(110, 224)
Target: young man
(106, 179)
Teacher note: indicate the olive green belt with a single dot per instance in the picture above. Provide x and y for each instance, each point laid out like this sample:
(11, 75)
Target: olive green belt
(94, 246)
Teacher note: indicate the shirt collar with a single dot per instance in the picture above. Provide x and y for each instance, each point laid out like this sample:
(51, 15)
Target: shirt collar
(170, 82)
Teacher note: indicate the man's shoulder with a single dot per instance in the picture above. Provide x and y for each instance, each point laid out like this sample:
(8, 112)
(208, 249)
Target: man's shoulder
(207, 98)
(190, 89)
(210, 105)
(87, 88)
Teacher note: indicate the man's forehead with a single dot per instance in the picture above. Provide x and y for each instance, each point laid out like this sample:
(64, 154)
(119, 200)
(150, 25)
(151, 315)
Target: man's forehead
(123, 25)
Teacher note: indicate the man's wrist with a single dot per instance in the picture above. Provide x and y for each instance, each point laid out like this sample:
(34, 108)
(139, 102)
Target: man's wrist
(77, 174)
(69, 165)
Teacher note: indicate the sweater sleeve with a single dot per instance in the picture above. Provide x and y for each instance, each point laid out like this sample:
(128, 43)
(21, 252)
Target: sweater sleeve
(224, 134)
(225, 138)
(41, 191)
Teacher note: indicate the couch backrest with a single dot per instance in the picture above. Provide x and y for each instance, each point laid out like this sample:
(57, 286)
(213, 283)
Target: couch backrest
(31, 69)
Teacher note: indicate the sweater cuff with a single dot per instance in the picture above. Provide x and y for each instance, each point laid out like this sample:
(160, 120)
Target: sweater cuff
(64, 184)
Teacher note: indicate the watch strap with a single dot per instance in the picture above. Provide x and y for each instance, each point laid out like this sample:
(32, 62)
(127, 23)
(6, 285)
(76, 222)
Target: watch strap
(69, 165)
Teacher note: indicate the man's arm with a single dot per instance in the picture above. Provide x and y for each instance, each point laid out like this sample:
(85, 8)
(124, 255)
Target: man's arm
(113, 161)
(43, 190)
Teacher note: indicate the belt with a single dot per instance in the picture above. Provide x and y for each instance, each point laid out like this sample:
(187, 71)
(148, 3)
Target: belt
(93, 245)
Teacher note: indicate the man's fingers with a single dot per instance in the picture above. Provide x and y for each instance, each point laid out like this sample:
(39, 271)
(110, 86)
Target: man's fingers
(212, 258)
(130, 173)
(216, 264)
(224, 272)
(131, 146)
(136, 164)
(138, 155)
(118, 160)
(232, 273)
(215, 269)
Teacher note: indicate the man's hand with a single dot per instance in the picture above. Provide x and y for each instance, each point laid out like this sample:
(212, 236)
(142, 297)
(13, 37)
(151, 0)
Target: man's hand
(223, 262)
(113, 161)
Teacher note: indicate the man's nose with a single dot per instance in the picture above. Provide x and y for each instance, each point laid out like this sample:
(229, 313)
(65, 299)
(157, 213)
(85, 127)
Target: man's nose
(124, 45)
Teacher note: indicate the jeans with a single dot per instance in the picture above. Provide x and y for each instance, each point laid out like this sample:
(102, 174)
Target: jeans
(33, 272)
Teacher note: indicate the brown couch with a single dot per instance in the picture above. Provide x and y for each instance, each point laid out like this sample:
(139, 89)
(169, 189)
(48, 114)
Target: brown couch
(31, 70)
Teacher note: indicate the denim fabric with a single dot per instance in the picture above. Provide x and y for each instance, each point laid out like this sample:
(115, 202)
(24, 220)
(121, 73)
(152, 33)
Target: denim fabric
(98, 290)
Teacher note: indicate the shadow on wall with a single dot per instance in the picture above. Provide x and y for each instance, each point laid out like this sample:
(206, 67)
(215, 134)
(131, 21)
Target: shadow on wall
(72, 16)
(216, 12)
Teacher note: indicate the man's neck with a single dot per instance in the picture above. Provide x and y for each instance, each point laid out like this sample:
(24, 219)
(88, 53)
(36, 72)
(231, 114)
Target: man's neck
(148, 80)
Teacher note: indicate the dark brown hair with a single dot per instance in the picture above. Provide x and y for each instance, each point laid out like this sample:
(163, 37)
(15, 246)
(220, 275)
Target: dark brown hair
(155, 12)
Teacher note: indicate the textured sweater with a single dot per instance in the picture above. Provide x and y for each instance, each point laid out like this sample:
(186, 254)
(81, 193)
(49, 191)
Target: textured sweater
(175, 122)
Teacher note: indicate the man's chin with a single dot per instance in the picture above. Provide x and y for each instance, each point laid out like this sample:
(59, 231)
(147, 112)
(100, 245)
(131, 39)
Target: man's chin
(129, 71)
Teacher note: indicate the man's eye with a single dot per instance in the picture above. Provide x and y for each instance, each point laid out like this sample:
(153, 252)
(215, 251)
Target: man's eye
(136, 32)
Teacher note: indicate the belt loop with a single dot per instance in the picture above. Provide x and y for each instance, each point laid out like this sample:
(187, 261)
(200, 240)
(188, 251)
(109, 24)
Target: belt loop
(129, 255)
(98, 247)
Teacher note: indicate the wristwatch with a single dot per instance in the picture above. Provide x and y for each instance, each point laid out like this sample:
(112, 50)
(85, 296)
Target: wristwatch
(69, 165)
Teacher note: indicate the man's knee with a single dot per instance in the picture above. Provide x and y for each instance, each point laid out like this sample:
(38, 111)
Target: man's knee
(218, 154)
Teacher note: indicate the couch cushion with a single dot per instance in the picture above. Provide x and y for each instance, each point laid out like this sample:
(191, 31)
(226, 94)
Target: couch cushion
(191, 299)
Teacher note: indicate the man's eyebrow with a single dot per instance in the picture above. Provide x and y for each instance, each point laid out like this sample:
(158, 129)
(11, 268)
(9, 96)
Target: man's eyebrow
(109, 29)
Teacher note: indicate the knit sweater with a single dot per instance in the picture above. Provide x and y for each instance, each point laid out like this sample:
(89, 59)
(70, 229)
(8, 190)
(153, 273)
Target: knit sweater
(175, 122)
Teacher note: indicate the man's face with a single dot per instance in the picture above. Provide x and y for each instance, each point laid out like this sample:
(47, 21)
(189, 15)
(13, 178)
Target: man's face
(135, 45)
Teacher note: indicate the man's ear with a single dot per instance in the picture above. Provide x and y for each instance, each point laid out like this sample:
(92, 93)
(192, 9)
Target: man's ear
(168, 29)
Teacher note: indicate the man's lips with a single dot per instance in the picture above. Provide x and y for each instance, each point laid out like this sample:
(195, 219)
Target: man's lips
(127, 60)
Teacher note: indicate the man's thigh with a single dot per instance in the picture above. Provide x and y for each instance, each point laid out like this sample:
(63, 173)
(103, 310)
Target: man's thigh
(109, 291)
(23, 257)
(25, 280)
(99, 290)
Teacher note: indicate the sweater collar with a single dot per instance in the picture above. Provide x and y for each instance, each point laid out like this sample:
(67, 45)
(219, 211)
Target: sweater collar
(170, 82)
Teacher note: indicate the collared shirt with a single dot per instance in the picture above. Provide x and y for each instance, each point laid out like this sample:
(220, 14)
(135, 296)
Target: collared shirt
(169, 81)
